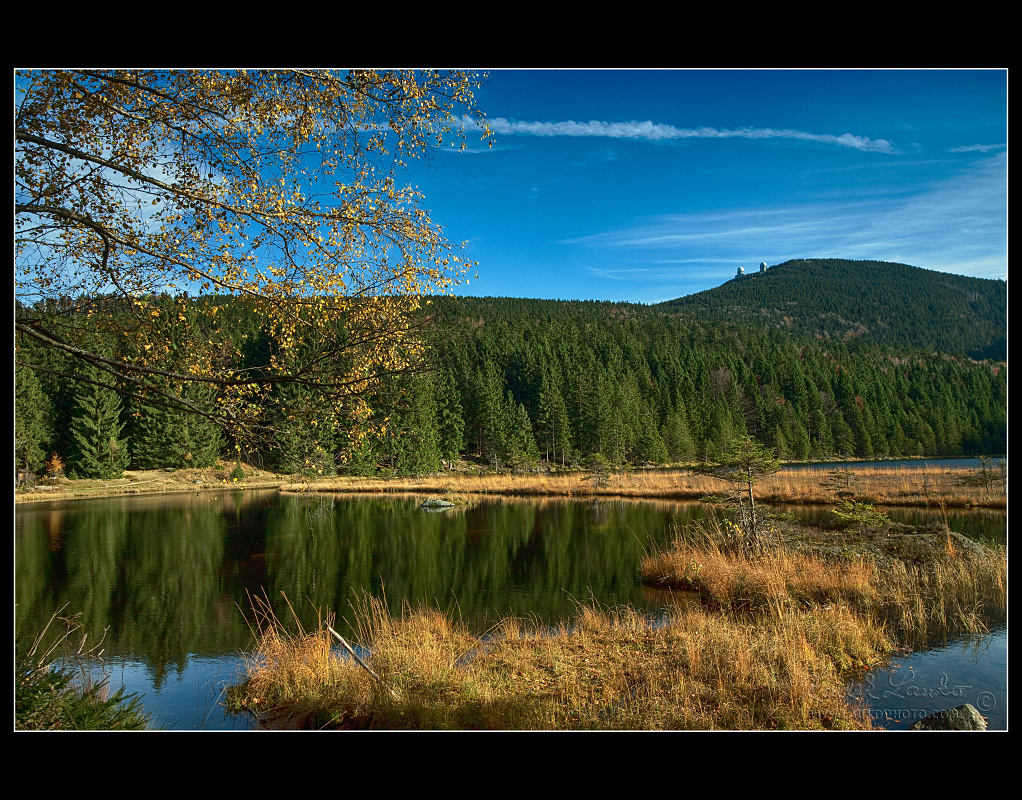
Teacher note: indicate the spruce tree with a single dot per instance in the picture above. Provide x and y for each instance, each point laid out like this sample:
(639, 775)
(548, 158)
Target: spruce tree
(520, 449)
(677, 437)
(304, 436)
(98, 450)
(150, 436)
(553, 421)
(450, 417)
(414, 432)
(31, 420)
(166, 438)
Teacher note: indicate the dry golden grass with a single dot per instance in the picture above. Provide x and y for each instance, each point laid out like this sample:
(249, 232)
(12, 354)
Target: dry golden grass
(770, 645)
(918, 585)
(872, 484)
(606, 670)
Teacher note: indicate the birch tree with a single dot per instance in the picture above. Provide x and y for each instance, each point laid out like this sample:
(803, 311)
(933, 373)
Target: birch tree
(278, 188)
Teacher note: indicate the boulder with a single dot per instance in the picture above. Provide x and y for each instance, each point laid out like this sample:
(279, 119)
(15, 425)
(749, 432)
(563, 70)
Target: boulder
(433, 503)
(961, 718)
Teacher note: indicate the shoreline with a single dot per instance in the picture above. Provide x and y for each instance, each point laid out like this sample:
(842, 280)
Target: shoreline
(796, 484)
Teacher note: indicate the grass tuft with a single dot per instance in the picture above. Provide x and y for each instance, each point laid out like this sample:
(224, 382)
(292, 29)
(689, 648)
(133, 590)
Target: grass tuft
(55, 690)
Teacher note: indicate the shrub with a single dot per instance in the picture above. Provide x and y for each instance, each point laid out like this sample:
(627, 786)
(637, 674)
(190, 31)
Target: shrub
(58, 693)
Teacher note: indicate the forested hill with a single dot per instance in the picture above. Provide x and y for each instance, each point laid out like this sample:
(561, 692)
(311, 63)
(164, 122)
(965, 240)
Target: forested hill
(881, 302)
(527, 384)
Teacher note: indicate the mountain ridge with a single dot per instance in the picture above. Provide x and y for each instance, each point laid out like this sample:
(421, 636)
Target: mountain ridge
(883, 302)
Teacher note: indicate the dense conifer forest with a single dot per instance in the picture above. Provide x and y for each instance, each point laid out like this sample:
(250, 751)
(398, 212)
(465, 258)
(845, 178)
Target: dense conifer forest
(876, 301)
(815, 359)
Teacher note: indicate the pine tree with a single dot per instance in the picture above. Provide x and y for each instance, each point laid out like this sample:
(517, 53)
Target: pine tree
(98, 450)
(31, 420)
(450, 417)
(741, 464)
(520, 450)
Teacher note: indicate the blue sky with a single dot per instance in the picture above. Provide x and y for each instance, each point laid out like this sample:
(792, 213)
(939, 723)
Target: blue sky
(644, 185)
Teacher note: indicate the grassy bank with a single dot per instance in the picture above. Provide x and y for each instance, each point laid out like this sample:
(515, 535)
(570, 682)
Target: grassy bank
(916, 584)
(223, 476)
(877, 485)
(751, 643)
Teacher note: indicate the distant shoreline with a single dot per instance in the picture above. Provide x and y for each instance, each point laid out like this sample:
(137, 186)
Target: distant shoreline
(797, 483)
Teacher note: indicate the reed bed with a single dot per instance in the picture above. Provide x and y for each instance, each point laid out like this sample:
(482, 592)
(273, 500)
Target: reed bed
(605, 670)
(770, 642)
(917, 585)
(878, 485)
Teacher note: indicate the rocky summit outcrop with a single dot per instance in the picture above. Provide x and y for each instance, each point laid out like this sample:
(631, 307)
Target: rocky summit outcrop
(961, 718)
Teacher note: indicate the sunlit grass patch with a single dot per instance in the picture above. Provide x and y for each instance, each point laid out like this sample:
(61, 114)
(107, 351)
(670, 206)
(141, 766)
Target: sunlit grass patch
(872, 484)
(919, 585)
(606, 669)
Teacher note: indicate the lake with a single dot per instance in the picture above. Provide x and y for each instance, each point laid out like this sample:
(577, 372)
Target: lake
(169, 578)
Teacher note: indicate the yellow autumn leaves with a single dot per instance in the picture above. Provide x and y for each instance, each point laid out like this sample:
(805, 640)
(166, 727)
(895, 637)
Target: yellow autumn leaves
(270, 186)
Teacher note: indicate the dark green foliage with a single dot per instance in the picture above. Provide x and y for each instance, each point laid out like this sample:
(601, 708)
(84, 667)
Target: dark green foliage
(31, 420)
(167, 438)
(412, 444)
(304, 434)
(554, 425)
(97, 451)
(449, 416)
(880, 302)
(526, 384)
(519, 445)
(53, 698)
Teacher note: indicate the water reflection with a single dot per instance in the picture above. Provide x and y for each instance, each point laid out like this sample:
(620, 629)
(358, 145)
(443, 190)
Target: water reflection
(166, 581)
(971, 669)
(171, 577)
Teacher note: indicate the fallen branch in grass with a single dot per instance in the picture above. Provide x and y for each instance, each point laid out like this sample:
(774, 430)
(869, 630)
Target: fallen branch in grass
(361, 663)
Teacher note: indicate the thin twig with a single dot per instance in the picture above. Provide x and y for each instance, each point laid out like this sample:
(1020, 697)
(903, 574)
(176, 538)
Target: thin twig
(361, 663)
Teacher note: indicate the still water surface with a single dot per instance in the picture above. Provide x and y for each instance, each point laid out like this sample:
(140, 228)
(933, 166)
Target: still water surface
(169, 578)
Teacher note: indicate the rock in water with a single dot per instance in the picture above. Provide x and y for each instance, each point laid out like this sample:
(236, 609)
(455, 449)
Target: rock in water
(432, 503)
(960, 718)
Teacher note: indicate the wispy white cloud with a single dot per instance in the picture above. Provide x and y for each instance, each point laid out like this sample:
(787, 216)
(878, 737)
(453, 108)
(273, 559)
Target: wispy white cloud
(959, 226)
(981, 148)
(651, 131)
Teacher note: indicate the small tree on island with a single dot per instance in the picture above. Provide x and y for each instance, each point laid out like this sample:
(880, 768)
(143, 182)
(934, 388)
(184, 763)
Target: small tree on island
(741, 464)
(599, 471)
